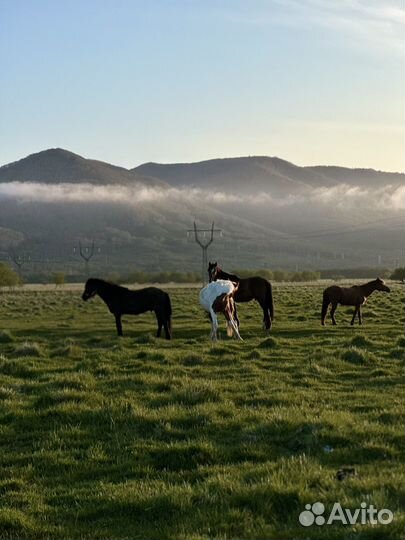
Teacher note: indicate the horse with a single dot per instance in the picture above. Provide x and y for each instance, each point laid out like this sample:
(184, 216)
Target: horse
(217, 297)
(350, 296)
(122, 301)
(252, 288)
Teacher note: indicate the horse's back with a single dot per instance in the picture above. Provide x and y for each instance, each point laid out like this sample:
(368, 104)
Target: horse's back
(214, 289)
(250, 288)
(344, 295)
(147, 299)
(334, 293)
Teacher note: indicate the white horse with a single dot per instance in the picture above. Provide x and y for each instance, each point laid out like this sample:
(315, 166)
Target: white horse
(217, 297)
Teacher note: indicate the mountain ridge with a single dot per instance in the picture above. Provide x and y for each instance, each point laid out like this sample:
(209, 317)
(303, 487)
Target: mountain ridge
(268, 173)
(270, 211)
(242, 173)
(56, 165)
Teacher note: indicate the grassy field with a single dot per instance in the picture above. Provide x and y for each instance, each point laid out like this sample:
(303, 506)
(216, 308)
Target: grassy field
(108, 438)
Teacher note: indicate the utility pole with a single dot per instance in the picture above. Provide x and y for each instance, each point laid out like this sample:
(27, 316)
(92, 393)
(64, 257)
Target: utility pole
(19, 261)
(204, 246)
(86, 253)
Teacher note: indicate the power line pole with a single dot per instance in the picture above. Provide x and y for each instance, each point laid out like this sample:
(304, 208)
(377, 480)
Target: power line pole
(204, 246)
(86, 253)
(19, 261)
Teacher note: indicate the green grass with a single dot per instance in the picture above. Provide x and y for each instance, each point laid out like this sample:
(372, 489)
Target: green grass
(108, 438)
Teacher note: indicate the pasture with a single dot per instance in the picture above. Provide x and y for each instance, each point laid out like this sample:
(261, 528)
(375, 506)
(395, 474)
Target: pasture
(112, 438)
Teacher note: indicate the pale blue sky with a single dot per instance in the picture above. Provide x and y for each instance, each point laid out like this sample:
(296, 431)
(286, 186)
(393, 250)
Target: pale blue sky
(129, 81)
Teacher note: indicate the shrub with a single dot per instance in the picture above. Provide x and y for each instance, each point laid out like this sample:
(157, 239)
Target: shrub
(8, 278)
(58, 278)
(398, 274)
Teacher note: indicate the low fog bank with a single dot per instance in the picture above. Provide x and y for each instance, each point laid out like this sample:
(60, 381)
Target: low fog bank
(147, 226)
(343, 197)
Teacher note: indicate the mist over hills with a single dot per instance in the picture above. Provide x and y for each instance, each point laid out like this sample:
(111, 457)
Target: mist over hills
(272, 213)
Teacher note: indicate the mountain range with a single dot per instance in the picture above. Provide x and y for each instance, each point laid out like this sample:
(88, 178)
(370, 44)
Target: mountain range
(260, 173)
(263, 173)
(271, 213)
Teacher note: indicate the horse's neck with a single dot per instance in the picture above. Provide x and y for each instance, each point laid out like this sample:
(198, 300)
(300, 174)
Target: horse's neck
(368, 288)
(225, 275)
(104, 291)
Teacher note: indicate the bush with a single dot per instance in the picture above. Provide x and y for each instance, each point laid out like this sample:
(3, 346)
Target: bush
(398, 274)
(162, 277)
(8, 278)
(58, 278)
(355, 273)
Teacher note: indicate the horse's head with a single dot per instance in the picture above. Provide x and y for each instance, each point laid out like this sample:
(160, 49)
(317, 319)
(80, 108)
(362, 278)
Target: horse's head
(381, 286)
(90, 289)
(212, 270)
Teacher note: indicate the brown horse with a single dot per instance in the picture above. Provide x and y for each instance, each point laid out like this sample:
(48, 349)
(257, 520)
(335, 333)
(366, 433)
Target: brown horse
(349, 296)
(252, 288)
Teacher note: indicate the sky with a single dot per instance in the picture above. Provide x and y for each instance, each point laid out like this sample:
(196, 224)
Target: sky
(131, 81)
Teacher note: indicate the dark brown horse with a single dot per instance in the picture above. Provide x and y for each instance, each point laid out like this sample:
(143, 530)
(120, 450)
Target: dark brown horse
(122, 301)
(252, 288)
(349, 296)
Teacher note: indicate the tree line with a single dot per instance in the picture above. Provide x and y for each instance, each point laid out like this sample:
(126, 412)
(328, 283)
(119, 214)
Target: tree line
(9, 278)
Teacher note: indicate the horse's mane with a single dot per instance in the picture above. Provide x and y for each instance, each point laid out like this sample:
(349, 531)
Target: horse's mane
(231, 277)
(109, 283)
(364, 284)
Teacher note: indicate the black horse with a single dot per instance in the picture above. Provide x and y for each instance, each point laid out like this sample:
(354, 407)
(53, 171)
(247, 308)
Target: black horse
(122, 301)
(252, 288)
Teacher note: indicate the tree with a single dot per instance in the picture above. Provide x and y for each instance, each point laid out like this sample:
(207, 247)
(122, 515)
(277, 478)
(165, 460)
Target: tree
(398, 273)
(8, 278)
(58, 278)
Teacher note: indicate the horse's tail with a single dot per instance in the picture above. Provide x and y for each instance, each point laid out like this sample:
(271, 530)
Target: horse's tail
(168, 309)
(269, 300)
(325, 304)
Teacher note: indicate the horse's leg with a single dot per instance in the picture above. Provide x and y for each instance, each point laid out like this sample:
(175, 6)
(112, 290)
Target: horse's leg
(266, 315)
(162, 323)
(235, 316)
(118, 324)
(166, 326)
(159, 330)
(332, 314)
(235, 329)
(214, 326)
(325, 305)
(359, 314)
(354, 315)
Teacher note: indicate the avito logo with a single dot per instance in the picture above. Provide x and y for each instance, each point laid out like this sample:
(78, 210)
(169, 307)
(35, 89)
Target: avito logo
(314, 514)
